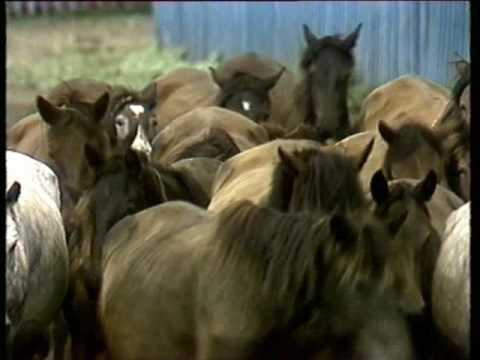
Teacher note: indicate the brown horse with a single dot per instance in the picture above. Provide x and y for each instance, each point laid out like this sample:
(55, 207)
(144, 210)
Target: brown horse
(233, 285)
(246, 94)
(127, 107)
(443, 202)
(258, 66)
(181, 91)
(321, 98)
(59, 136)
(414, 149)
(306, 169)
(125, 186)
(210, 131)
(419, 236)
(366, 325)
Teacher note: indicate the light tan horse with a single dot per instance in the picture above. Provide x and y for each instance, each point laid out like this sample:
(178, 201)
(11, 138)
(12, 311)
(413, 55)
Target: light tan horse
(403, 99)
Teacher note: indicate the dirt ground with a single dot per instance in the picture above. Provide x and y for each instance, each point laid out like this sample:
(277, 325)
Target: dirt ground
(31, 41)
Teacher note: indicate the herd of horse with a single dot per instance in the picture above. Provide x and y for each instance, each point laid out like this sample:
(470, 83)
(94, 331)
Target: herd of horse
(242, 213)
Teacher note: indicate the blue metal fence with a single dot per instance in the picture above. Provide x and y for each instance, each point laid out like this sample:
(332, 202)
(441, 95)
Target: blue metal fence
(397, 37)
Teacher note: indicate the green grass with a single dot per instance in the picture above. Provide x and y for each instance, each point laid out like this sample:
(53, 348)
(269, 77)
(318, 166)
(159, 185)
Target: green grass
(135, 69)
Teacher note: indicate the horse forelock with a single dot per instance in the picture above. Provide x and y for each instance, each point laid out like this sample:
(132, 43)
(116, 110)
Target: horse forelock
(333, 42)
(333, 182)
(402, 192)
(328, 182)
(410, 137)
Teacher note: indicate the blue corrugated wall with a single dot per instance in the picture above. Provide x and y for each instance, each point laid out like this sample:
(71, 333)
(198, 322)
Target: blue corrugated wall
(397, 37)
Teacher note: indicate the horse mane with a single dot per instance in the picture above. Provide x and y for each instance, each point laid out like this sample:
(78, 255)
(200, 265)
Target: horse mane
(410, 137)
(399, 191)
(289, 258)
(329, 182)
(460, 85)
(277, 250)
(455, 135)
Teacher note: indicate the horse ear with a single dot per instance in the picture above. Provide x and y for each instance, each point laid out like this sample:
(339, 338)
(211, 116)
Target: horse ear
(216, 78)
(148, 94)
(351, 40)
(100, 107)
(388, 134)
(270, 82)
(292, 163)
(94, 159)
(360, 159)
(379, 188)
(425, 189)
(49, 112)
(308, 35)
(342, 230)
(463, 68)
(394, 225)
(13, 193)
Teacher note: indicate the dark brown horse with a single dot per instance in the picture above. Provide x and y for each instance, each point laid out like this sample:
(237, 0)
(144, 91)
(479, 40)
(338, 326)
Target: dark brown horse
(321, 98)
(233, 285)
(125, 186)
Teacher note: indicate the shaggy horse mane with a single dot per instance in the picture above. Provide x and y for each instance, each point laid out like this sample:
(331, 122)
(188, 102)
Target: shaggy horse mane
(289, 258)
(329, 182)
(410, 137)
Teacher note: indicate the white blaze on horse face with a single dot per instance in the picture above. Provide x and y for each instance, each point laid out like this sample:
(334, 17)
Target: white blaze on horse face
(137, 110)
(141, 142)
(122, 126)
(246, 105)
